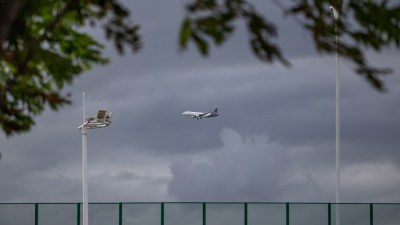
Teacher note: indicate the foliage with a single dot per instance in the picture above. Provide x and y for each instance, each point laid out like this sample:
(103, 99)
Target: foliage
(208, 18)
(44, 46)
(362, 25)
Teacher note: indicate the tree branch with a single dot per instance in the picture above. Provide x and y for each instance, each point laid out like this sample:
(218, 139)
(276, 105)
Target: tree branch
(8, 14)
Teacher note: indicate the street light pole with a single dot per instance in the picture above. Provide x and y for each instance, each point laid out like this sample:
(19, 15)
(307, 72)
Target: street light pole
(101, 120)
(84, 167)
(84, 175)
(336, 17)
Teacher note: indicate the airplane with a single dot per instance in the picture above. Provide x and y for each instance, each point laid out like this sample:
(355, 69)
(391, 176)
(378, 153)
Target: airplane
(200, 115)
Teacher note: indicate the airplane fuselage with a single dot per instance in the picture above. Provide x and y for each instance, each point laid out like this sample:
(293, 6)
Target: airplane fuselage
(200, 115)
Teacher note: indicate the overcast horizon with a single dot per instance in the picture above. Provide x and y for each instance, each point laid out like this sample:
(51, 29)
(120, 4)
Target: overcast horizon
(274, 140)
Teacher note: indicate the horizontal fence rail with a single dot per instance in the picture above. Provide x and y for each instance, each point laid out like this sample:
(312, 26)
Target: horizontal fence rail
(200, 213)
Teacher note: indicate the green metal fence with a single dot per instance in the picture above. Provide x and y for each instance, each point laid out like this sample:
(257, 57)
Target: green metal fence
(200, 213)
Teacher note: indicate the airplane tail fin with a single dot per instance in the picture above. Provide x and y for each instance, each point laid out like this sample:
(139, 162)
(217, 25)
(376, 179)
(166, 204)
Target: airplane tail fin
(214, 113)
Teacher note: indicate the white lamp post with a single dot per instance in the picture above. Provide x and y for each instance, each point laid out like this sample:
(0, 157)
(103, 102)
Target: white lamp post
(98, 121)
(336, 17)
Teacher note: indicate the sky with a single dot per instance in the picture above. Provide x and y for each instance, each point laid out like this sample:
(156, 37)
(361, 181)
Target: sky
(274, 140)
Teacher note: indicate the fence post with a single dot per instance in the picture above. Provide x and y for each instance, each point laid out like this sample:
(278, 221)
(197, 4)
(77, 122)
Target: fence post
(245, 213)
(204, 213)
(371, 214)
(78, 213)
(287, 213)
(329, 214)
(120, 214)
(162, 213)
(36, 213)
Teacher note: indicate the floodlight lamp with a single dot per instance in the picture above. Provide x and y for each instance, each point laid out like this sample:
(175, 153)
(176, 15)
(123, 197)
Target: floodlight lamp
(98, 121)
(108, 117)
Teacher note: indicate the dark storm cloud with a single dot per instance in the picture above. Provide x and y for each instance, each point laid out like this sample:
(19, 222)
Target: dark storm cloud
(244, 169)
(255, 168)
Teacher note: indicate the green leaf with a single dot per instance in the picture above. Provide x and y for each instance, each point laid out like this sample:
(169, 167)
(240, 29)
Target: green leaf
(185, 33)
(201, 44)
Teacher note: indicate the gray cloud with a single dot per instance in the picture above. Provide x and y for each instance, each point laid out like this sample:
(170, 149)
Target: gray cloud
(245, 169)
(255, 168)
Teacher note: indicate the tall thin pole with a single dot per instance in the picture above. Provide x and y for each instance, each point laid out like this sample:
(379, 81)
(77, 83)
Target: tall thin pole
(337, 133)
(84, 167)
(336, 17)
(83, 106)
